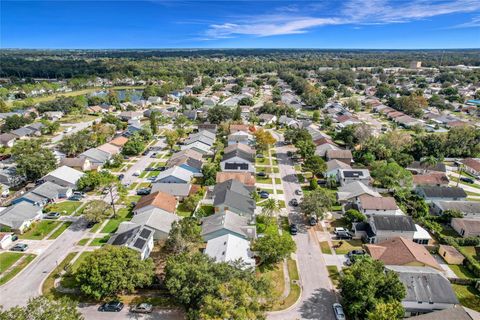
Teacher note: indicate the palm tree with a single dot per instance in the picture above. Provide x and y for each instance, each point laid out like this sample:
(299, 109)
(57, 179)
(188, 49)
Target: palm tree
(428, 162)
(270, 207)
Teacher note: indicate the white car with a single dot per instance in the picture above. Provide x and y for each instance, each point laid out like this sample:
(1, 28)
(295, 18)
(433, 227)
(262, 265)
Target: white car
(136, 173)
(340, 229)
(338, 311)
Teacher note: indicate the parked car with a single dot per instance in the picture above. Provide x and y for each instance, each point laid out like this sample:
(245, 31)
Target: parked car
(293, 229)
(262, 174)
(148, 169)
(162, 168)
(467, 180)
(340, 229)
(144, 153)
(90, 224)
(75, 198)
(344, 235)
(289, 153)
(322, 182)
(19, 247)
(359, 252)
(137, 173)
(312, 221)
(338, 311)
(79, 194)
(154, 155)
(152, 178)
(298, 192)
(259, 155)
(51, 215)
(286, 143)
(294, 202)
(14, 237)
(264, 194)
(143, 191)
(112, 306)
(142, 308)
(121, 176)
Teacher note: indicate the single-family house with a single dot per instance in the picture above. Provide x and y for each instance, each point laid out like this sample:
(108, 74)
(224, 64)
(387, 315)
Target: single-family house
(266, 119)
(9, 177)
(472, 166)
(333, 166)
(421, 168)
(244, 177)
(175, 175)
(369, 205)
(23, 132)
(155, 219)
(450, 254)
(351, 192)
(190, 164)
(239, 127)
(227, 222)
(130, 115)
(469, 209)
(36, 128)
(322, 149)
(189, 153)
(20, 216)
(466, 227)
(178, 190)
(238, 160)
(82, 164)
(109, 148)
(240, 146)
(211, 127)
(346, 176)
(199, 147)
(96, 156)
(402, 252)
(6, 239)
(233, 196)
(430, 179)
(240, 137)
(383, 227)
(64, 176)
(427, 290)
(434, 193)
(341, 155)
(455, 313)
(45, 193)
(160, 200)
(230, 248)
(139, 238)
(7, 139)
(119, 141)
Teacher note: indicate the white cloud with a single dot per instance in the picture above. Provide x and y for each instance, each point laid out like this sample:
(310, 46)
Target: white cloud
(474, 23)
(354, 12)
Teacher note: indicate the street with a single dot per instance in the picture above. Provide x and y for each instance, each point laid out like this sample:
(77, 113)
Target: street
(317, 295)
(90, 312)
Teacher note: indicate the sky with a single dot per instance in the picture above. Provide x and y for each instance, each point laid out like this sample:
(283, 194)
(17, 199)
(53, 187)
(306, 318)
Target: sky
(346, 24)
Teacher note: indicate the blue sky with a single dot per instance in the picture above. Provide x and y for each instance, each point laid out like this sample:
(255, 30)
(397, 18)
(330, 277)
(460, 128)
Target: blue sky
(396, 24)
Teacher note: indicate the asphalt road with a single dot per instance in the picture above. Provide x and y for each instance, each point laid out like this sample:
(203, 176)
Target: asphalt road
(28, 283)
(90, 312)
(75, 128)
(317, 292)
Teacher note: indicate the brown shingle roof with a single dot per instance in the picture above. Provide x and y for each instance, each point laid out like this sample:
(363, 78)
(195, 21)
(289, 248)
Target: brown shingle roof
(239, 127)
(374, 203)
(109, 148)
(400, 251)
(158, 199)
(239, 146)
(430, 179)
(472, 163)
(469, 225)
(119, 141)
(244, 177)
(339, 154)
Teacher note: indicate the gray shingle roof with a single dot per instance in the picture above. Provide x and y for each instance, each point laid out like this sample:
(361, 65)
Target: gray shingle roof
(14, 216)
(394, 222)
(442, 192)
(96, 155)
(238, 153)
(227, 220)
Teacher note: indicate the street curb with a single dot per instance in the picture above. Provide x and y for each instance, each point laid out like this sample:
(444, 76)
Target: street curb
(296, 301)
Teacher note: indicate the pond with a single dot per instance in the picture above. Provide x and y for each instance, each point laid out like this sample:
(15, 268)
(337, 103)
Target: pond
(135, 95)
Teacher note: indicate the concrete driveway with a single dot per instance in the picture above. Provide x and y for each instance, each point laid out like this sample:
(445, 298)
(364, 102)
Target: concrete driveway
(317, 291)
(90, 312)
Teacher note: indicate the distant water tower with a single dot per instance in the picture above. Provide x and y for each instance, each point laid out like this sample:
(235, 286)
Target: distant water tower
(415, 64)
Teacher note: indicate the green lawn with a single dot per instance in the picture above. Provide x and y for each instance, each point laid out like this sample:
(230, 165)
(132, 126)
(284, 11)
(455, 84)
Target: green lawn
(65, 207)
(278, 181)
(473, 185)
(60, 230)
(468, 296)
(346, 246)
(182, 211)
(144, 185)
(40, 230)
(333, 274)
(325, 247)
(99, 241)
(6, 277)
(292, 269)
(7, 259)
(208, 209)
(48, 284)
(83, 242)
(123, 214)
(279, 191)
(281, 204)
(471, 251)
(461, 271)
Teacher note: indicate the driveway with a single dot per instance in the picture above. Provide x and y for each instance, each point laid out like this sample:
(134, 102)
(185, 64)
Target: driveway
(317, 291)
(142, 163)
(75, 128)
(90, 312)
(27, 283)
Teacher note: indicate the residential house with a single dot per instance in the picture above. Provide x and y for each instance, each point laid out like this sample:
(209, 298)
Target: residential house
(207, 127)
(175, 175)
(53, 115)
(64, 176)
(344, 156)
(240, 146)
(96, 156)
(239, 127)
(472, 166)
(266, 119)
(7, 139)
(238, 160)
(190, 164)
(402, 252)
(466, 227)
(19, 217)
(109, 148)
(244, 177)
(228, 222)
(288, 122)
(6, 239)
(437, 179)
(199, 147)
(230, 248)
(383, 227)
(455, 313)
(233, 196)
(450, 254)
(132, 128)
(119, 141)
(427, 290)
(240, 137)
(325, 146)
(178, 190)
(155, 219)
(346, 176)
(434, 193)
(469, 209)
(82, 164)
(160, 200)
(422, 168)
(369, 205)
(36, 128)
(189, 153)
(351, 192)
(23, 133)
(139, 238)
(10, 178)
(130, 115)
(333, 166)
(45, 193)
